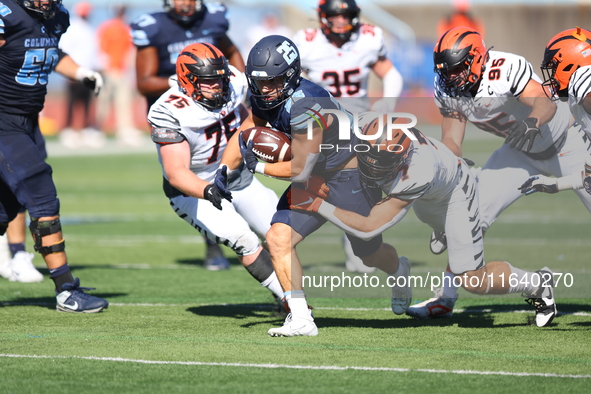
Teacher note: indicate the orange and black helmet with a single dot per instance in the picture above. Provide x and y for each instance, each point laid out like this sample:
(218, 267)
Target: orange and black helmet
(564, 54)
(381, 159)
(328, 8)
(460, 48)
(198, 62)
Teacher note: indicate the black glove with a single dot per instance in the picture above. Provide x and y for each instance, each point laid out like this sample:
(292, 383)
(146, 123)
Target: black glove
(250, 160)
(215, 196)
(468, 161)
(522, 132)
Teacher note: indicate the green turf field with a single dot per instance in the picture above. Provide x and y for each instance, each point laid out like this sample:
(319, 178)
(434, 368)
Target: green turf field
(174, 327)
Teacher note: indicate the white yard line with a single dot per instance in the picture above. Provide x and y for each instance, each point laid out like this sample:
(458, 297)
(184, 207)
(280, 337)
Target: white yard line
(307, 367)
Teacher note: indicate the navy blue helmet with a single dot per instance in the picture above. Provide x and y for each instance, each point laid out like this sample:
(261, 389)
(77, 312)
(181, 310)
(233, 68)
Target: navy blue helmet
(273, 61)
(46, 10)
(186, 20)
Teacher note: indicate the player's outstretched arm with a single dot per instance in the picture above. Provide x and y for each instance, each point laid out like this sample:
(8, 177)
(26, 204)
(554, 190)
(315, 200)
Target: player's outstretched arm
(67, 67)
(543, 109)
(231, 53)
(383, 215)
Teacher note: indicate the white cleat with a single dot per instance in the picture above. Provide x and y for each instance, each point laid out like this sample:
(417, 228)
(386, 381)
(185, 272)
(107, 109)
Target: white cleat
(295, 327)
(544, 301)
(23, 269)
(435, 307)
(402, 296)
(438, 242)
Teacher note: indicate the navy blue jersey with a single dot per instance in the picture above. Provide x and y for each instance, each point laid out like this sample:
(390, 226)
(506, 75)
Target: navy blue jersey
(28, 56)
(308, 102)
(160, 31)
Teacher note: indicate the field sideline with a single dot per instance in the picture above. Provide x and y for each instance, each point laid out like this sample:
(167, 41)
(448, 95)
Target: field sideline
(174, 327)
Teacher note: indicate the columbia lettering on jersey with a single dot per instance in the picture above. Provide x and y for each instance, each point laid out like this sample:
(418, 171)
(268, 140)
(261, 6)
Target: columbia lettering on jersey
(343, 71)
(28, 57)
(158, 30)
(308, 102)
(578, 88)
(175, 116)
(495, 106)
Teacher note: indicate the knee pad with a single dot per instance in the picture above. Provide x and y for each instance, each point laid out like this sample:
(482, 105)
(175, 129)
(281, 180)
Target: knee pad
(40, 229)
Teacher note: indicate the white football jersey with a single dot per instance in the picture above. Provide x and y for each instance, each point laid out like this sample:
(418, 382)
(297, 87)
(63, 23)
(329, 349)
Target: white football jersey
(207, 131)
(343, 71)
(430, 173)
(495, 107)
(578, 88)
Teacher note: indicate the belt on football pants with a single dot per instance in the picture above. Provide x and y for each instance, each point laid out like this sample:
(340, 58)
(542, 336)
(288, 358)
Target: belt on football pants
(551, 151)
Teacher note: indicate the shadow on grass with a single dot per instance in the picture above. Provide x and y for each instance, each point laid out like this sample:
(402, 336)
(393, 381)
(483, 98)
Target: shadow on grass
(269, 314)
(49, 302)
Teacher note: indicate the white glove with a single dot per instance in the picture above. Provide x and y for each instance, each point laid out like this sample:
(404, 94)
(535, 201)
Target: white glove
(172, 81)
(91, 79)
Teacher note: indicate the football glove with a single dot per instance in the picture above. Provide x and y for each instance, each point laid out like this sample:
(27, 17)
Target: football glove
(316, 186)
(523, 132)
(539, 183)
(220, 183)
(250, 160)
(215, 196)
(303, 200)
(91, 79)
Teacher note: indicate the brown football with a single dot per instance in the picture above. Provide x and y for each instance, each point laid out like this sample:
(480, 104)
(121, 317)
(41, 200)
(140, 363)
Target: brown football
(270, 145)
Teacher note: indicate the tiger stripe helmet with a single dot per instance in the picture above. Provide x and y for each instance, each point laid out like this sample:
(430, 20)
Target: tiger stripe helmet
(198, 62)
(564, 54)
(381, 159)
(460, 47)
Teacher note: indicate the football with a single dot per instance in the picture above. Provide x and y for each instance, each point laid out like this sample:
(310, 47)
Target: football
(270, 146)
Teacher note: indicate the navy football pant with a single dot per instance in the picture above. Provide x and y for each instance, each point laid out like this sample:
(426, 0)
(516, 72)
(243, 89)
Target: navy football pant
(346, 192)
(25, 177)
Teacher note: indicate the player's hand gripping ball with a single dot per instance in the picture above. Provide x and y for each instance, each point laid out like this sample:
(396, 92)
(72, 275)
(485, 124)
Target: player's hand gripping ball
(270, 146)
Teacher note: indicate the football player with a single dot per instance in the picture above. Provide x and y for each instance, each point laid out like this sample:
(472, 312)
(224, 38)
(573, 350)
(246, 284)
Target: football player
(567, 70)
(159, 37)
(286, 101)
(339, 56)
(29, 36)
(426, 175)
(191, 124)
(499, 93)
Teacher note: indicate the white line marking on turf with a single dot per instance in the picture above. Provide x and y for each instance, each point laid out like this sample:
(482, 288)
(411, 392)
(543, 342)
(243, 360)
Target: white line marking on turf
(313, 367)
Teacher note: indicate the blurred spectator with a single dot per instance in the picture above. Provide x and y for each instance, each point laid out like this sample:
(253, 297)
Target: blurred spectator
(79, 42)
(116, 49)
(269, 25)
(461, 16)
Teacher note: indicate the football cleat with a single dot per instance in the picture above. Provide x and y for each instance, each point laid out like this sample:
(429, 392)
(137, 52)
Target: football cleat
(438, 242)
(435, 307)
(295, 327)
(543, 300)
(23, 269)
(215, 260)
(402, 296)
(74, 299)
